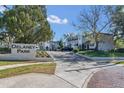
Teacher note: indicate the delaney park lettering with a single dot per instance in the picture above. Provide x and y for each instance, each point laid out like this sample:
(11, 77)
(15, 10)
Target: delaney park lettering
(23, 51)
(23, 48)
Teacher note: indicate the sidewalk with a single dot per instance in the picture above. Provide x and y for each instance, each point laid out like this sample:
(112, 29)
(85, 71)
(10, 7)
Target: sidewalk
(18, 65)
(34, 80)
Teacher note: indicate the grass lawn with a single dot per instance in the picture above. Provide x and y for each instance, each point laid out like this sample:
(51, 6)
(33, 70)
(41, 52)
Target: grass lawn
(122, 62)
(101, 54)
(48, 68)
(2, 63)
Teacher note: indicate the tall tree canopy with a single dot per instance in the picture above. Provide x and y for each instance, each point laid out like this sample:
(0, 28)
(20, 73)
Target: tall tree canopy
(117, 28)
(94, 19)
(26, 24)
(118, 22)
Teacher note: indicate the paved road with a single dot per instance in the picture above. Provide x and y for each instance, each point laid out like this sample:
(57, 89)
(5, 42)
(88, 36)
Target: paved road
(67, 57)
(108, 78)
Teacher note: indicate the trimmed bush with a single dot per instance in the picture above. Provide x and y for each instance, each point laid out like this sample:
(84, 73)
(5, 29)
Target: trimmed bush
(120, 50)
(5, 50)
(92, 53)
(76, 50)
(113, 50)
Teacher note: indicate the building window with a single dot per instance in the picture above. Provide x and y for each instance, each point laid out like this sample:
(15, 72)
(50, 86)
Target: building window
(92, 44)
(75, 44)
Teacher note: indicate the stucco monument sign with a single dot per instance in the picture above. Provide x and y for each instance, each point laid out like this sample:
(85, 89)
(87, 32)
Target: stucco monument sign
(23, 51)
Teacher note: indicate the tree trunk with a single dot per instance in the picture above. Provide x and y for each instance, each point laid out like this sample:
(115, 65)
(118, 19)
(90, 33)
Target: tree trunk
(96, 48)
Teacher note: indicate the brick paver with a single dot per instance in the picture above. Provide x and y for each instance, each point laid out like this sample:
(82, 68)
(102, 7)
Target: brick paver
(108, 78)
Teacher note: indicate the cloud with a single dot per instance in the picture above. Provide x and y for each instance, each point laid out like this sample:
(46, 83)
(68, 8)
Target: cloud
(56, 19)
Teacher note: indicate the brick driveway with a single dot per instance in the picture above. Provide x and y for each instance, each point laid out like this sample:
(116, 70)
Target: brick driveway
(108, 78)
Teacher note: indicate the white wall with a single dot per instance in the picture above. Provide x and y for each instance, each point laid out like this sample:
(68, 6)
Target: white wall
(92, 47)
(18, 52)
(73, 43)
(103, 46)
(15, 57)
(106, 46)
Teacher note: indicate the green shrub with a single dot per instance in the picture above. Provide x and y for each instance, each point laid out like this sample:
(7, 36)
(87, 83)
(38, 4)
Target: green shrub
(113, 50)
(120, 50)
(5, 50)
(76, 50)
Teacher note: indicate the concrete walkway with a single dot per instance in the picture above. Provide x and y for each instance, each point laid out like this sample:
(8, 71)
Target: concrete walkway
(18, 65)
(34, 80)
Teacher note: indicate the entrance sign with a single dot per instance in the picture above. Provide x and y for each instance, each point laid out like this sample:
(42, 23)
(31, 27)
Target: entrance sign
(24, 51)
(23, 48)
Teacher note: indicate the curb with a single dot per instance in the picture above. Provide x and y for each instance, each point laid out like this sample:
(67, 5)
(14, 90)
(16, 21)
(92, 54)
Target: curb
(88, 78)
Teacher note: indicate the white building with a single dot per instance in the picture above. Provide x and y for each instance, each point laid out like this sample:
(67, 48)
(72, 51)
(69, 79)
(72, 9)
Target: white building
(50, 45)
(72, 41)
(105, 43)
(79, 41)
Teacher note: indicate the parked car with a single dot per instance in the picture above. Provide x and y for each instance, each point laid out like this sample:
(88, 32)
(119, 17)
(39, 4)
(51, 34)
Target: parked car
(67, 49)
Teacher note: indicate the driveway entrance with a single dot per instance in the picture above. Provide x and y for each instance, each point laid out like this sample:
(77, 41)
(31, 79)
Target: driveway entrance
(75, 69)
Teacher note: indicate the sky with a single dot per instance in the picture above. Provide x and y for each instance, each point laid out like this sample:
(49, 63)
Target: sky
(61, 17)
